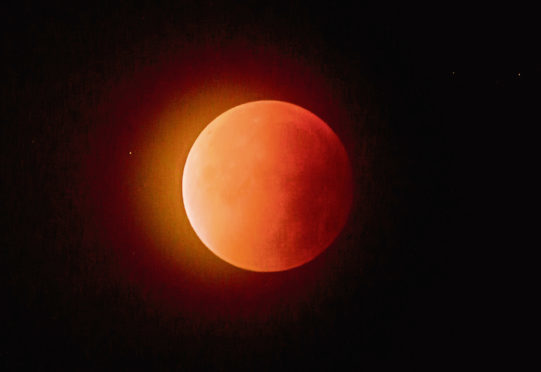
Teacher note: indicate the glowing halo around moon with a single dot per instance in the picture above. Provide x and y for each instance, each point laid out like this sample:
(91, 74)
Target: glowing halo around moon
(267, 186)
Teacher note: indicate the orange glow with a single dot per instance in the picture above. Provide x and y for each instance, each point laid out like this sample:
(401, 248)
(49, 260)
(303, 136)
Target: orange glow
(267, 186)
(157, 113)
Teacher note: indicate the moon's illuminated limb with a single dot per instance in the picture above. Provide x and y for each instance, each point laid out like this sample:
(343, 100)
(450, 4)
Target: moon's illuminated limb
(267, 186)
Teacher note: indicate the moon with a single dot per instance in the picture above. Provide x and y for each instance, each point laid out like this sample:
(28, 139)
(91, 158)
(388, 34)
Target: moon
(267, 186)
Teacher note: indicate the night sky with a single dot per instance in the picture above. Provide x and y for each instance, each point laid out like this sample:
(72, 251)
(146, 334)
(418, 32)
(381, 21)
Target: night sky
(94, 277)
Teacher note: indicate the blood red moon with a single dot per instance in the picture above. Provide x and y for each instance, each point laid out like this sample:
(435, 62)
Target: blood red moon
(267, 186)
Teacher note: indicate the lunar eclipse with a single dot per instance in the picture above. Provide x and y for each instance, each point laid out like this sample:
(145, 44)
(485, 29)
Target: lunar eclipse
(267, 186)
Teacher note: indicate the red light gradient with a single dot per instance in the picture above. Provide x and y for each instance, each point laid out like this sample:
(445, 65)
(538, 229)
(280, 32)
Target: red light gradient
(144, 130)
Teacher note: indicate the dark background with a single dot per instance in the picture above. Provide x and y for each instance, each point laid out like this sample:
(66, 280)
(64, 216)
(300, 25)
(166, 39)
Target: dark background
(437, 89)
